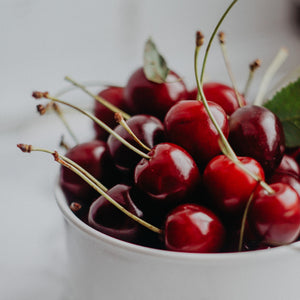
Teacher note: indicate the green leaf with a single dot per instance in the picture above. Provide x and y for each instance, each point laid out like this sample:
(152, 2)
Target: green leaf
(155, 66)
(286, 105)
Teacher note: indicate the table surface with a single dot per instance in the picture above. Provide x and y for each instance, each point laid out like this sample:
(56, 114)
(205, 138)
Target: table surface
(96, 40)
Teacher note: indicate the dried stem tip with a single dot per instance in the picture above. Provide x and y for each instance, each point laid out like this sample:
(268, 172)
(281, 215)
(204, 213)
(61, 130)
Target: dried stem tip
(199, 39)
(41, 109)
(222, 37)
(256, 64)
(118, 117)
(75, 207)
(39, 95)
(25, 148)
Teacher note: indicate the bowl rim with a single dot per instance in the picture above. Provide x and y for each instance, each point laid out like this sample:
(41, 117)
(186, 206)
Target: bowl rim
(143, 250)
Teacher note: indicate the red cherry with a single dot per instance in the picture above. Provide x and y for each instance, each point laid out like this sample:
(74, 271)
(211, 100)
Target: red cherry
(148, 129)
(145, 97)
(115, 96)
(221, 94)
(289, 166)
(169, 176)
(256, 132)
(293, 181)
(188, 125)
(228, 185)
(193, 228)
(276, 217)
(95, 158)
(106, 218)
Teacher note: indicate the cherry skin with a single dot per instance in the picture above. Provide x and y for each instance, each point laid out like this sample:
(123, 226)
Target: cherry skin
(288, 166)
(188, 125)
(115, 96)
(293, 181)
(228, 185)
(193, 228)
(147, 128)
(94, 157)
(145, 97)
(276, 217)
(169, 177)
(221, 94)
(256, 132)
(106, 218)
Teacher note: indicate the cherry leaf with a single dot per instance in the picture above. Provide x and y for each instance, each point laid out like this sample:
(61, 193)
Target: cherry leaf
(286, 105)
(155, 66)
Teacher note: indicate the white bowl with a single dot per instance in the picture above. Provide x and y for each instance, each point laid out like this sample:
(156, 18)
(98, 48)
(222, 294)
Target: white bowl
(102, 267)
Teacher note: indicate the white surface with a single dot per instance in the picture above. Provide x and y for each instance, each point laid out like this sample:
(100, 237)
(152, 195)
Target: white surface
(41, 42)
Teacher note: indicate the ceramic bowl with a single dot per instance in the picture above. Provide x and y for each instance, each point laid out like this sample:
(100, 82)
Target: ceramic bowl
(102, 267)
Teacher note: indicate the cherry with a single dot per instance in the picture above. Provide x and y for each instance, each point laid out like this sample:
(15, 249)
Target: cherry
(288, 166)
(193, 228)
(95, 158)
(256, 132)
(275, 217)
(147, 128)
(221, 94)
(115, 96)
(188, 125)
(293, 181)
(169, 176)
(228, 185)
(143, 96)
(106, 218)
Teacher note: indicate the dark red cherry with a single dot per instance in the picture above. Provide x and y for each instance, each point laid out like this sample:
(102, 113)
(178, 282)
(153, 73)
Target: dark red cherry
(94, 157)
(170, 175)
(106, 218)
(221, 94)
(288, 166)
(229, 186)
(146, 97)
(276, 217)
(147, 128)
(256, 132)
(293, 181)
(193, 228)
(188, 125)
(115, 96)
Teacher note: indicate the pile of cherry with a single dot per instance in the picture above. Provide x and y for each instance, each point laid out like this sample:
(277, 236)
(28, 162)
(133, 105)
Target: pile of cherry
(191, 196)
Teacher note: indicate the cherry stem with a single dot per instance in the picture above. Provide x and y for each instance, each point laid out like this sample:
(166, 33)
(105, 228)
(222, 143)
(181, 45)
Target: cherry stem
(29, 148)
(224, 141)
(92, 182)
(43, 109)
(244, 219)
(75, 207)
(63, 144)
(212, 37)
(101, 100)
(273, 68)
(228, 67)
(252, 68)
(119, 119)
(45, 95)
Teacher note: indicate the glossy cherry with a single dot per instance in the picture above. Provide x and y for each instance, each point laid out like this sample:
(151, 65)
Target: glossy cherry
(288, 166)
(143, 96)
(256, 132)
(95, 158)
(275, 217)
(228, 185)
(221, 94)
(188, 125)
(115, 96)
(147, 128)
(193, 228)
(169, 177)
(106, 218)
(293, 181)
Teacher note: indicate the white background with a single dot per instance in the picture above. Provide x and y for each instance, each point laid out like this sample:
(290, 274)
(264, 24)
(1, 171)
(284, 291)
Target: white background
(42, 41)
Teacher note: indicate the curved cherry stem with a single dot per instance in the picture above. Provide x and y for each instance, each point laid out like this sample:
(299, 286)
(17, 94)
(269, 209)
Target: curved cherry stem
(39, 95)
(212, 37)
(101, 100)
(228, 67)
(119, 119)
(92, 182)
(252, 68)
